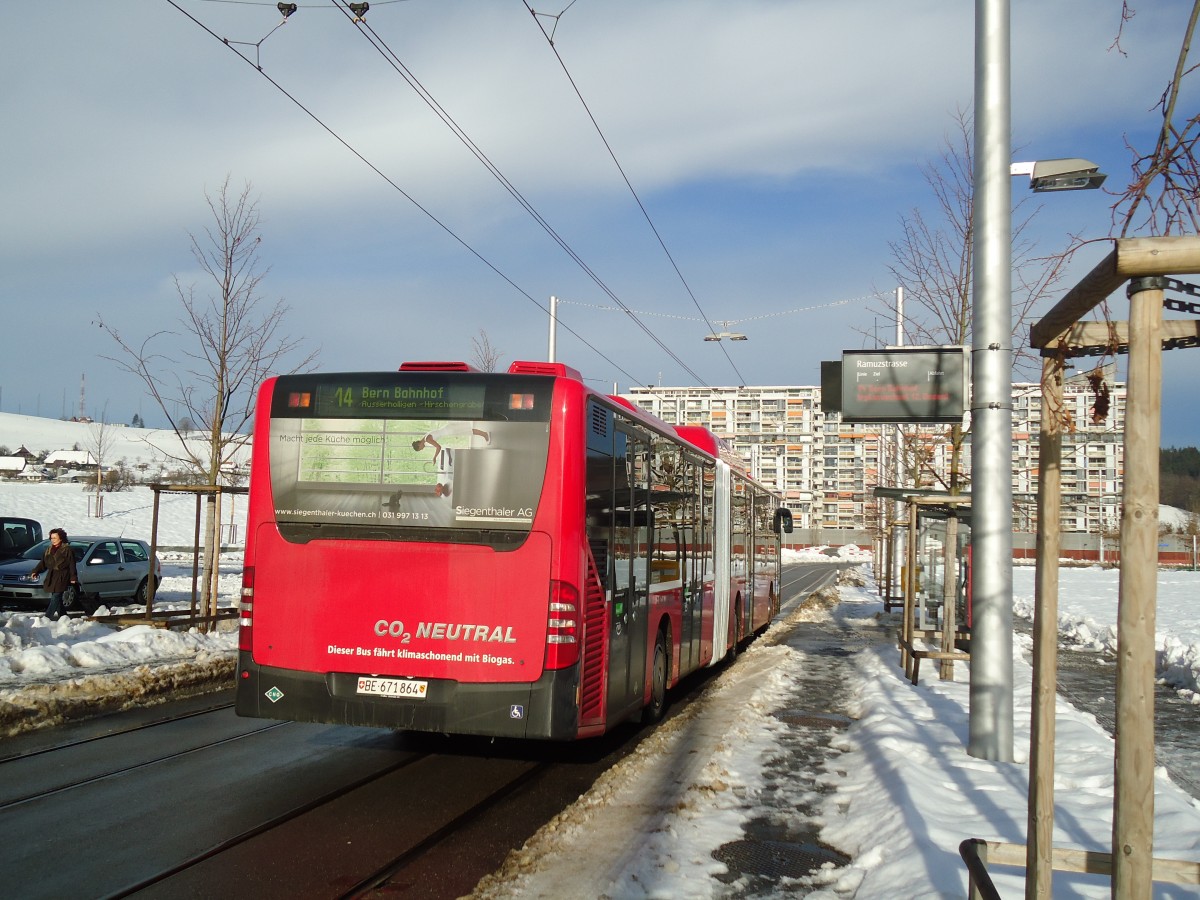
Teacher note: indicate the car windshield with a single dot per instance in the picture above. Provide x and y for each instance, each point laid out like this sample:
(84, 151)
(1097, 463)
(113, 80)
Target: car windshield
(38, 550)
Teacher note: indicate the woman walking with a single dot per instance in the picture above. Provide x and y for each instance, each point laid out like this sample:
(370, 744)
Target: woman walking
(59, 562)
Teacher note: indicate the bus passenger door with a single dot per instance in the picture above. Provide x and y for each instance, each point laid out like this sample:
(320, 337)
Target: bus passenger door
(631, 538)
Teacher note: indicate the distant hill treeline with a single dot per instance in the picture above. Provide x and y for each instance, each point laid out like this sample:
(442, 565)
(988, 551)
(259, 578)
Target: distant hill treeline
(1179, 478)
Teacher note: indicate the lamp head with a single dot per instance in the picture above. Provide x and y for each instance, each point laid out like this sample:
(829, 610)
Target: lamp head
(1072, 174)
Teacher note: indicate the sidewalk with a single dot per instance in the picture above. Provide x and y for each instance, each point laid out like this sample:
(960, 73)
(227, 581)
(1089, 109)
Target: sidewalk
(723, 800)
(815, 740)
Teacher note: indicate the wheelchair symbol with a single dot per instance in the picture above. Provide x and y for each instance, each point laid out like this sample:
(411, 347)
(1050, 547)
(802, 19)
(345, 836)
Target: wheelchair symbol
(516, 711)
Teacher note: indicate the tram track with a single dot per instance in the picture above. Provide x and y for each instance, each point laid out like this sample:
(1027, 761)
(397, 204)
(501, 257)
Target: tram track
(279, 809)
(92, 738)
(279, 821)
(117, 773)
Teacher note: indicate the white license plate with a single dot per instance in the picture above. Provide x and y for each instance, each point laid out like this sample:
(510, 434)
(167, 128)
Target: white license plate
(393, 687)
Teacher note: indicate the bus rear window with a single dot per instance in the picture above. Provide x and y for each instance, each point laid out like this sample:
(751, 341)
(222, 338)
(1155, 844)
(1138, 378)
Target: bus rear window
(407, 464)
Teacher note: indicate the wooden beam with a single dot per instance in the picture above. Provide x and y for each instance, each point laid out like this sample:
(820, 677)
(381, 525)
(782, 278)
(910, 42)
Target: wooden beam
(1139, 257)
(1092, 862)
(1130, 258)
(1081, 337)
(1077, 302)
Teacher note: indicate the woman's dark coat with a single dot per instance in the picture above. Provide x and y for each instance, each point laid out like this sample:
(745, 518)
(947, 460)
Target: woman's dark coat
(59, 563)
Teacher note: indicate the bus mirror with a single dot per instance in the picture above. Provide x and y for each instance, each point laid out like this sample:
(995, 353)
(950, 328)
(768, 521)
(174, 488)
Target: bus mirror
(783, 520)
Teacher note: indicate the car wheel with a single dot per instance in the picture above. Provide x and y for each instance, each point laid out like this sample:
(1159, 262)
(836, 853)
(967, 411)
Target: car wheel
(143, 590)
(658, 683)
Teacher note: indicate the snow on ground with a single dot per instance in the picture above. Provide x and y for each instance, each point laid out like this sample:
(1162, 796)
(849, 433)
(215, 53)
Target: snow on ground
(1087, 618)
(53, 671)
(902, 793)
(905, 792)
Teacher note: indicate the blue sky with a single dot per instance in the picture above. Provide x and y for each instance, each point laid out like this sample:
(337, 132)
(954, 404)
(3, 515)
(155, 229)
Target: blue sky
(775, 145)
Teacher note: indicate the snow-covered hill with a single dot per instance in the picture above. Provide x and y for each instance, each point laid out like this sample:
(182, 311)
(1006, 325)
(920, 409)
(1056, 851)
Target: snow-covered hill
(153, 447)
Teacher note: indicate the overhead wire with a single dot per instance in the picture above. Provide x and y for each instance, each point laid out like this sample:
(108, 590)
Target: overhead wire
(381, 47)
(446, 228)
(786, 312)
(624, 176)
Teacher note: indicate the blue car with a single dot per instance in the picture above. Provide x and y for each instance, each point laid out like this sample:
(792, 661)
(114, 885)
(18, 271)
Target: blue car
(110, 568)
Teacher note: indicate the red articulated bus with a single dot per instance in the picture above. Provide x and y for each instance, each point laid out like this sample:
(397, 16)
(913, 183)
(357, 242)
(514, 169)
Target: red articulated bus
(509, 554)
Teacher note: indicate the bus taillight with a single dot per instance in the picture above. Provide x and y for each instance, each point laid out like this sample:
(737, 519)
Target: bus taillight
(246, 609)
(562, 626)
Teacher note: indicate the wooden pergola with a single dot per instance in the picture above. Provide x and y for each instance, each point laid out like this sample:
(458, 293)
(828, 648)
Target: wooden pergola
(202, 612)
(1145, 265)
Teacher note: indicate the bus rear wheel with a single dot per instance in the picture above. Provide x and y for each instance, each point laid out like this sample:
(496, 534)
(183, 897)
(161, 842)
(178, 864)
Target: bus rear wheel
(735, 644)
(658, 683)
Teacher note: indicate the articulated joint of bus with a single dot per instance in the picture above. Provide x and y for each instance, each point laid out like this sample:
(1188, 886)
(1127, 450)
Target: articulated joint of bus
(562, 626)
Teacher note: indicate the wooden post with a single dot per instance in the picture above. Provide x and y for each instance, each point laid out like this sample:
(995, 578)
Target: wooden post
(214, 577)
(1133, 803)
(1039, 869)
(196, 545)
(153, 582)
(949, 593)
(910, 588)
(889, 563)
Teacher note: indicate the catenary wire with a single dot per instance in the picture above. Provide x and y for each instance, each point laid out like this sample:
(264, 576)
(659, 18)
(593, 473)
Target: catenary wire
(400, 190)
(786, 312)
(392, 59)
(628, 183)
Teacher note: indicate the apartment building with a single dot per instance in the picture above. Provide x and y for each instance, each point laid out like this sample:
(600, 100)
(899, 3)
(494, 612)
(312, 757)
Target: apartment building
(826, 470)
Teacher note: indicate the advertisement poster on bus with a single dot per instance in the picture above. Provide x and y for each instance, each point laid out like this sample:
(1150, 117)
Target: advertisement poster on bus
(440, 473)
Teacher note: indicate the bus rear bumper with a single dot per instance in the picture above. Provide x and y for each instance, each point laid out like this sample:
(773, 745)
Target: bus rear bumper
(545, 709)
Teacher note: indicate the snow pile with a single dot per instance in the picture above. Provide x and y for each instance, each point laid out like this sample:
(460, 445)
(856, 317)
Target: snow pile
(1087, 617)
(825, 553)
(905, 793)
(54, 671)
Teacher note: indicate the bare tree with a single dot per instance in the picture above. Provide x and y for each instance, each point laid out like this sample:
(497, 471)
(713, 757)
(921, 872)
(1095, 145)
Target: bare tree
(231, 339)
(484, 356)
(100, 444)
(932, 262)
(1163, 195)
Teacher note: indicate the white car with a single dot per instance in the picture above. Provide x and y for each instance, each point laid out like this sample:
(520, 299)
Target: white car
(108, 568)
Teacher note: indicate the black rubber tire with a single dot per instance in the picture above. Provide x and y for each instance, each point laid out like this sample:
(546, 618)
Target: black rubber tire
(658, 683)
(734, 647)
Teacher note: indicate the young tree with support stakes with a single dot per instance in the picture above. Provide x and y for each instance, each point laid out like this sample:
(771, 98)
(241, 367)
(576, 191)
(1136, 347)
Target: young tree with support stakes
(205, 376)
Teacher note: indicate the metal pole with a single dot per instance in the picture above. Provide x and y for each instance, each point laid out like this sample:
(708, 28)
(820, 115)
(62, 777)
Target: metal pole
(553, 327)
(991, 714)
(898, 462)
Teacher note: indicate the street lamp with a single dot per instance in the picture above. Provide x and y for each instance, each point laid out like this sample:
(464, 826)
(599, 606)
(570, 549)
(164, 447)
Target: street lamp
(991, 710)
(1072, 174)
(731, 335)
